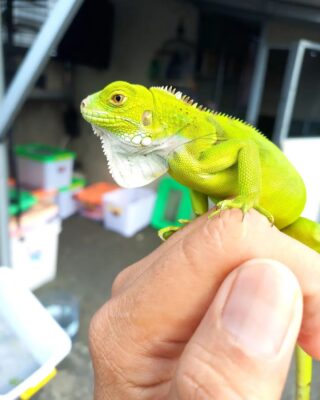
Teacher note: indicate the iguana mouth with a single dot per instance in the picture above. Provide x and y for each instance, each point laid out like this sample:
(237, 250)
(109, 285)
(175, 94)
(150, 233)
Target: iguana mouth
(130, 163)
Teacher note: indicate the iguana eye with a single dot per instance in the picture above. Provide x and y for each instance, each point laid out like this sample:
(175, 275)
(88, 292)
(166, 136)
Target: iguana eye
(118, 99)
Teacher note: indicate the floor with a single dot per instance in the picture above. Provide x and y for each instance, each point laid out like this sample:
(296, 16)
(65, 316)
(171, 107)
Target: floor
(89, 260)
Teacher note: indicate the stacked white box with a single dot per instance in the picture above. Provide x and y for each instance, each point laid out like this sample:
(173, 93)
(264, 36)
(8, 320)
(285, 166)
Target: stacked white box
(34, 245)
(67, 203)
(127, 211)
(44, 167)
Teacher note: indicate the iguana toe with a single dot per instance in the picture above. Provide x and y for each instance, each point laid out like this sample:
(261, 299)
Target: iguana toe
(165, 233)
(244, 203)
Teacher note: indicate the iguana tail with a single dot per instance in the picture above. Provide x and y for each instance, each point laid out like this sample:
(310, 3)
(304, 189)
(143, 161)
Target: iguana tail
(307, 232)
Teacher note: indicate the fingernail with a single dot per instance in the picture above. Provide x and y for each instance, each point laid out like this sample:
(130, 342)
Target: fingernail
(260, 306)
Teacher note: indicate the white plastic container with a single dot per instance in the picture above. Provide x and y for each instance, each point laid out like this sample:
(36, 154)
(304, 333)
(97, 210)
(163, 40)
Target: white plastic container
(44, 167)
(67, 203)
(127, 211)
(34, 247)
(31, 342)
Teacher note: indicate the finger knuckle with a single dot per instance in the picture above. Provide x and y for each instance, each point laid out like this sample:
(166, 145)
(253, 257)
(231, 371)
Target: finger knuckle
(210, 235)
(118, 282)
(103, 327)
(96, 329)
(230, 230)
(104, 343)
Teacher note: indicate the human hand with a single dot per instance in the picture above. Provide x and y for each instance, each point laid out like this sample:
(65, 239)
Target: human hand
(208, 315)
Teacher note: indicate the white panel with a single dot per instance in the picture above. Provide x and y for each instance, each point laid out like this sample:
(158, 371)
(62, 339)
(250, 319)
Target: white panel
(304, 153)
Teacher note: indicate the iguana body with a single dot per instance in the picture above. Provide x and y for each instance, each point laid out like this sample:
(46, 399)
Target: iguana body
(147, 132)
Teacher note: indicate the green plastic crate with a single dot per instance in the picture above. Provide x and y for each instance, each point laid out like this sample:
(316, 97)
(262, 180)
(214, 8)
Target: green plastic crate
(27, 200)
(77, 183)
(183, 210)
(43, 153)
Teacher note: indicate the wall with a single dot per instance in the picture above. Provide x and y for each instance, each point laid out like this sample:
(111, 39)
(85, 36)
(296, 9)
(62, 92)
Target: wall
(283, 32)
(41, 120)
(141, 27)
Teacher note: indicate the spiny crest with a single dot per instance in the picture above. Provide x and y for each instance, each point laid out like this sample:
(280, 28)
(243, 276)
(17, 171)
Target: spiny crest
(237, 119)
(169, 89)
(186, 99)
(183, 97)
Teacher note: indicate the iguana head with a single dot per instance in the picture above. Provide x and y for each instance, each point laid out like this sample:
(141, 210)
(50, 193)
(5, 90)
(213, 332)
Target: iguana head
(135, 139)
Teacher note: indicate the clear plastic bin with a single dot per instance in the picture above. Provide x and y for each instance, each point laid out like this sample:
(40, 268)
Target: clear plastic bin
(31, 341)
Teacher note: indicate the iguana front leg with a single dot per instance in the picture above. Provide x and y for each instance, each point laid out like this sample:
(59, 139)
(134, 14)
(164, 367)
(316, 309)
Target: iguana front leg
(249, 178)
(199, 202)
(212, 160)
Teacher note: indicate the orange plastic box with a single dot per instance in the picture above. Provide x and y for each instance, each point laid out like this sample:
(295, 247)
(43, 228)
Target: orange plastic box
(47, 196)
(91, 199)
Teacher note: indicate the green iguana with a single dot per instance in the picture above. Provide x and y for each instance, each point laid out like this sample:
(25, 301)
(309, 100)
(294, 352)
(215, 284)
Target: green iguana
(148, 132)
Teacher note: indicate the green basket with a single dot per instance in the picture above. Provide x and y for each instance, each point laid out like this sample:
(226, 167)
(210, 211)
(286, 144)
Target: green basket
(27, 200)
(77, 183)
(167, 189)
(43, 153)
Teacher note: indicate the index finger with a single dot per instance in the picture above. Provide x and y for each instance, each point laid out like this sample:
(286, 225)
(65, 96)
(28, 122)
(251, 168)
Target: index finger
(171, 294)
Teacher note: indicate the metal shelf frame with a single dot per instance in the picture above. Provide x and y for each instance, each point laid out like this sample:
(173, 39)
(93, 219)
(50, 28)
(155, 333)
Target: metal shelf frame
(11, 102)
(289, 86)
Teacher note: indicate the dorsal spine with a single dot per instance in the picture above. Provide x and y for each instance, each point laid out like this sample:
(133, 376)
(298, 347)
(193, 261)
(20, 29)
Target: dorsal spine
(188, 100)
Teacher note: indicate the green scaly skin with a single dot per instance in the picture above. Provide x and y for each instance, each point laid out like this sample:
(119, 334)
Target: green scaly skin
(216, 156)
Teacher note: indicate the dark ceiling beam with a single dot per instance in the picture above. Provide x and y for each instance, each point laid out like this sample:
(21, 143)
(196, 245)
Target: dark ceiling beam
(289, 9)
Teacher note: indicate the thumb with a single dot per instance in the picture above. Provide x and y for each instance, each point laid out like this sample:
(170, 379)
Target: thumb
(243, 345)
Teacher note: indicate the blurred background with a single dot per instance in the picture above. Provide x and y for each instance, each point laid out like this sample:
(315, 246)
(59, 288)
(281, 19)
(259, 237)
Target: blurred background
(63, 221)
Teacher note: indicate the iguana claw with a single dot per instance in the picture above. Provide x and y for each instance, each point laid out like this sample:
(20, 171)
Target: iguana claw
(168, 231)
(183, 221)
(266, 213)
(244, 203)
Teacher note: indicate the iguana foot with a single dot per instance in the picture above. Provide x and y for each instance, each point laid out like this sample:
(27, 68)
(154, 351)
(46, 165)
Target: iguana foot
(168, 231)
(244, 203)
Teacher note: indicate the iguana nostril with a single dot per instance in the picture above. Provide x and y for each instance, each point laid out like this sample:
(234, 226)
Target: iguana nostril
(83, 103)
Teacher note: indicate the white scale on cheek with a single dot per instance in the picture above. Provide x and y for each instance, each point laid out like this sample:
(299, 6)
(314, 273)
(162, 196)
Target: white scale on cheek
(146, 141)
(136, 139)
